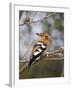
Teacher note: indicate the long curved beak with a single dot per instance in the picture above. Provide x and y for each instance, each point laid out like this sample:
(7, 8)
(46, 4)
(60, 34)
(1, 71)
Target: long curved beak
(53, 37)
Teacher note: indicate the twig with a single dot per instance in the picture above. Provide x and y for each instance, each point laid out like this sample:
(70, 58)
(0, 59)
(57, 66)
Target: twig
(23, 68)
(24, 61)
(60, 50)
(44, 18)
(34, 16)
(39, 20)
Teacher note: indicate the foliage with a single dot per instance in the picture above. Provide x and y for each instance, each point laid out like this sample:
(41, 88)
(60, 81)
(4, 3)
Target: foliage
(58, 24)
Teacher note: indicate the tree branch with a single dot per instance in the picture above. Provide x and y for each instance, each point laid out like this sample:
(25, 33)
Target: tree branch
(38, 20)
(56, 55)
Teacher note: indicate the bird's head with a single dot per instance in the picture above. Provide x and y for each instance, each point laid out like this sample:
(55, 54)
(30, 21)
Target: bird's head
(44, 36)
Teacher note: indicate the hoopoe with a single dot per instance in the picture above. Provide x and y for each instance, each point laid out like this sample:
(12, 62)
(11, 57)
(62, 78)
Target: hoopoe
(40, 47)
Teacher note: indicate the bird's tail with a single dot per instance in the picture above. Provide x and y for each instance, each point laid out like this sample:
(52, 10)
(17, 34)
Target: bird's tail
(29, 67)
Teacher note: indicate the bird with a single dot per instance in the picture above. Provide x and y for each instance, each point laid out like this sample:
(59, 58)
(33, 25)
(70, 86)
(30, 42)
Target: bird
(41, 46)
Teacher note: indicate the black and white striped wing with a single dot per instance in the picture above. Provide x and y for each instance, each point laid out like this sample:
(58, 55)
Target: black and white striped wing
(40, 48)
